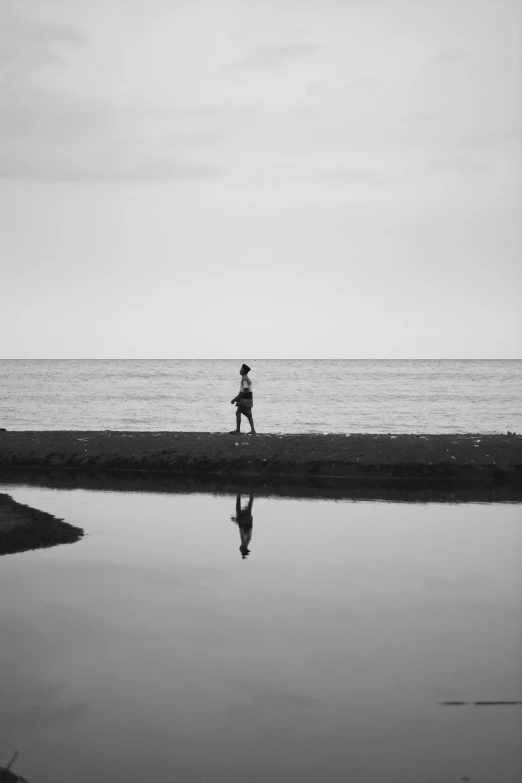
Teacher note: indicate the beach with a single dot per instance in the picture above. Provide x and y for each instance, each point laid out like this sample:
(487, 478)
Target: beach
(271, 456)
(260, 476)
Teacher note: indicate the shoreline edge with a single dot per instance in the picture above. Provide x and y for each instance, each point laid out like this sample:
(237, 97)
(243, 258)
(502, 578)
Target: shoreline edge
(447, 456)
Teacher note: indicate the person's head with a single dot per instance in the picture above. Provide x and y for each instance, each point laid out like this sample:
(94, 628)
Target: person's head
(245, 369)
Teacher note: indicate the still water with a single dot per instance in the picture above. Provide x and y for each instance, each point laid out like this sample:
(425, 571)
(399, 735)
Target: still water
(157, 649)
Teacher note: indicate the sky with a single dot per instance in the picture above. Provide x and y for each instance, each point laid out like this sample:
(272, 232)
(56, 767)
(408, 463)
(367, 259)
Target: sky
(261, 179)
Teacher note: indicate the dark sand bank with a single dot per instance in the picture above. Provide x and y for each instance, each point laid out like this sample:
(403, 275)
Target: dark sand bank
(23, 528)
(485, 457)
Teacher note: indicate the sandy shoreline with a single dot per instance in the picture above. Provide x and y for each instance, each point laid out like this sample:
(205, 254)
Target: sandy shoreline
(472, 457)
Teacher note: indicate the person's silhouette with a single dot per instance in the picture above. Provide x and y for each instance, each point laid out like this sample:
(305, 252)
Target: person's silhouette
(243, 519)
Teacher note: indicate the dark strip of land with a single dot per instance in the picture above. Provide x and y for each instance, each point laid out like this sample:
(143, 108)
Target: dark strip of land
(470, 456)
(23, 528)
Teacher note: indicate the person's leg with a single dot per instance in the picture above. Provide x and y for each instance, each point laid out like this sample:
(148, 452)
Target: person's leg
(251, 422)
(238, 423)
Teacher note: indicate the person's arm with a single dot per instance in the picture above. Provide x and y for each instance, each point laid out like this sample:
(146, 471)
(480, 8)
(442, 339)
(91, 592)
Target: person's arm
(239, 396)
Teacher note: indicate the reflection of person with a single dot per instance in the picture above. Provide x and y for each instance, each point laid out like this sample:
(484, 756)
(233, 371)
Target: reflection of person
(244, 401)
(244, 520)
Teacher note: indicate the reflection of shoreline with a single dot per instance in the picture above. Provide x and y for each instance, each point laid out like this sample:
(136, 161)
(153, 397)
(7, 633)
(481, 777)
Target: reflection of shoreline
(23, 528)
(386, 490)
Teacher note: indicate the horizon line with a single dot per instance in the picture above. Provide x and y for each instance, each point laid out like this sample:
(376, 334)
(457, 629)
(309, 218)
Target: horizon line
(257, 359)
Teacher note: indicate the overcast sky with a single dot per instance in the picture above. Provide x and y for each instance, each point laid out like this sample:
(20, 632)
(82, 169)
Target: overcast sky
(257, 179)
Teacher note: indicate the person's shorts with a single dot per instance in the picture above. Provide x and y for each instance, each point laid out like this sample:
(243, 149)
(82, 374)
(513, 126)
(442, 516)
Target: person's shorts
(246, 411)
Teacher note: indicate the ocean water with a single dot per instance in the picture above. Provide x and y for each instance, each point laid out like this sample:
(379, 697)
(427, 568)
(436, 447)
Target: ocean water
(294, 396)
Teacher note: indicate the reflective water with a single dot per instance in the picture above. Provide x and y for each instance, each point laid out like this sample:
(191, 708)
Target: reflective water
(155, 649)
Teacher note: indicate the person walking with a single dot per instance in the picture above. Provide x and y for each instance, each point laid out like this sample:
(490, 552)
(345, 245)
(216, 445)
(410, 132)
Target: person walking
(244, 401)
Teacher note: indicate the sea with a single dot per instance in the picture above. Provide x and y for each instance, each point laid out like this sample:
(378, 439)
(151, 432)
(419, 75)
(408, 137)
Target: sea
(290, 395)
